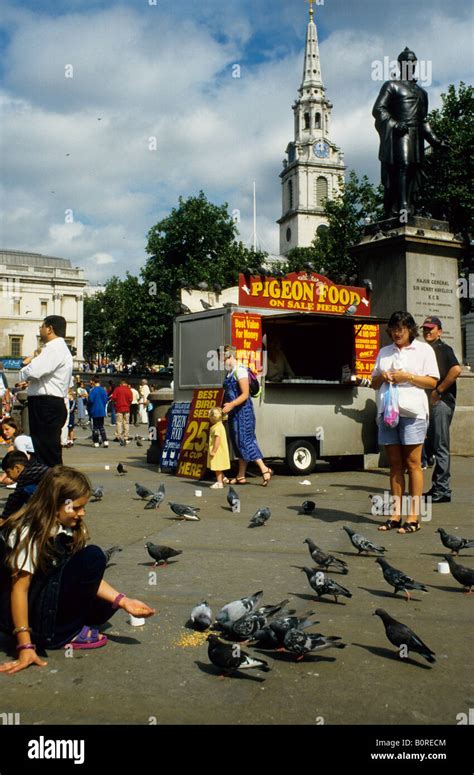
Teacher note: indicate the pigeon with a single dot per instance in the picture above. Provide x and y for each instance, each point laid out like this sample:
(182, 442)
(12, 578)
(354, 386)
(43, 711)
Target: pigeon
(161, 553)
(453, 542)
(464, 575)
(157, 498)
(238, 608)
(397, 579)
(121, 468)
(183, 309)
(98, 493)
(123, 443)
(324, 585)
(185, 512)
(301, 643)
(201, 616)
(273, 635)
(230, 657)
(142, 492)
(139, 442)
(325, 560)
(401, 635)
(233, 500)
(109, 553)
(245, 627)
(203, 286)
(308, 507)
(363, 544)
(260, 517)
(205, 304)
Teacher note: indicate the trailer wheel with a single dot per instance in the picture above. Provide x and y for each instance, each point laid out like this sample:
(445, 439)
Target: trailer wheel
(301, 457)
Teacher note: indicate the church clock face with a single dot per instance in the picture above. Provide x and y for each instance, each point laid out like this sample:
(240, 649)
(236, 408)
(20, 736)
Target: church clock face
(321, 149)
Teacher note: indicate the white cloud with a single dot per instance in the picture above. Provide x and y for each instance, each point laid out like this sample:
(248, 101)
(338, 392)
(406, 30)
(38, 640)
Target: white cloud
(150, 75)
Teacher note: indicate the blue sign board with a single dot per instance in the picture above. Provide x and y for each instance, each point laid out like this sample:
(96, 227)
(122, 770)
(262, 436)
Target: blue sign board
(15, 364)
(177, 419)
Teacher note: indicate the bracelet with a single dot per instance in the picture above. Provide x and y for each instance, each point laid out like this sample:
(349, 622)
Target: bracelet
(26, 646)
(117, 600)
(21, 629)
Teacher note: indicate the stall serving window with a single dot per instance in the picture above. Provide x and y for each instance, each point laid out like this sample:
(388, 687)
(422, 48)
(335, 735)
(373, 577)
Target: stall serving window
(307, 348)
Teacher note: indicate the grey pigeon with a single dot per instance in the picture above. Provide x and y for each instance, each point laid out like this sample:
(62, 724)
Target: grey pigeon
(123, 443)
(185, 512)
(161, 553)
(205, 304)
(157, 499)
(121, 468)
(401, 636)
(201, 616)
(273, 635)
(308, 507)
(109, 553)
(233, 500)
(453, 542)
(230, 657)
(324, 585)
(142, 492)
(397, 579)
(260, 517)
(465, 576)
(98, 493)
(363, 544)
(245, 627)
(301, 643)
(139, 441)
(325, 560)
(238, 608)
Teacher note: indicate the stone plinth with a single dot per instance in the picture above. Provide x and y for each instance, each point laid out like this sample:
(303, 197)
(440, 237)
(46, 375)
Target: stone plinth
(414, 267)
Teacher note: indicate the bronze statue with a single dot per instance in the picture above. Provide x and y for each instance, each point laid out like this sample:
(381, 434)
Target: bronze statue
(400, 113)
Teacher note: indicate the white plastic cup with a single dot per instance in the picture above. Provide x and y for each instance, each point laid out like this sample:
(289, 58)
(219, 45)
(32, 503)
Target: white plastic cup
(443, 567)
(107, 468)
(198, 493)
(136, 621)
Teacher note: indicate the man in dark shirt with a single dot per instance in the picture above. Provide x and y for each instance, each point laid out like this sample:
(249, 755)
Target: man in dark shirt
(27, 474)
(442, 404)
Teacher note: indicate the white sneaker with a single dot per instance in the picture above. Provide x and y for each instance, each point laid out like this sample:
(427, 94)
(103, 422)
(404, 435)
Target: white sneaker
(106, 443)
(11, 486)
(217, 486)
(96, 444)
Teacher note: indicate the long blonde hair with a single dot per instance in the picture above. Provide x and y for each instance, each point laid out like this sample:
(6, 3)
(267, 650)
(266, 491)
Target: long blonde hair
(40, 517)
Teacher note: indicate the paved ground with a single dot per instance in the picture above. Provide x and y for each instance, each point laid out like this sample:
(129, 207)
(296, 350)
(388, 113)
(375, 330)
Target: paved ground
(149, 675)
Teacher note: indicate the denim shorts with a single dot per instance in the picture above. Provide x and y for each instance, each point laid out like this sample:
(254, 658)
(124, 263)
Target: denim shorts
(410, 430)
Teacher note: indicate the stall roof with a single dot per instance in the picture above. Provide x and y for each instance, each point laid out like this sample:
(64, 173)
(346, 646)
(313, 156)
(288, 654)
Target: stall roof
(282, 314)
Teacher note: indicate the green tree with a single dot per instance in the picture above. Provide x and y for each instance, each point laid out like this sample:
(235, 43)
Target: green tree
(359, 203)
(447, 192)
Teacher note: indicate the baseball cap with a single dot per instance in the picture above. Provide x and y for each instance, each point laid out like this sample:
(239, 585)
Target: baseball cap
(431, 322)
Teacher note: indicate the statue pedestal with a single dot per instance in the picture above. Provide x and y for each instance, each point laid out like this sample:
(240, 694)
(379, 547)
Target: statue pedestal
(414, 267)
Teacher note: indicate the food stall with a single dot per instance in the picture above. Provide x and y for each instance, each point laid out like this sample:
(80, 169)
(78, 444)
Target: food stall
(328, 338)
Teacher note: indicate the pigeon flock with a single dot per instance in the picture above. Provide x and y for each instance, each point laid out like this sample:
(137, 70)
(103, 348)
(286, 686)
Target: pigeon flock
(278, 627)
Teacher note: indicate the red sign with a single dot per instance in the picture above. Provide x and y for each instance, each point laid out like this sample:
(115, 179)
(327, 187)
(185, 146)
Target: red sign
(193, 454)
(247, 339)
(302, 291)
(367, 341)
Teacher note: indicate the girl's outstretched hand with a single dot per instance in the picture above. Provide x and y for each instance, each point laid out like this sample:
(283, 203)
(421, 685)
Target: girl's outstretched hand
(136, 607)
(26, 658)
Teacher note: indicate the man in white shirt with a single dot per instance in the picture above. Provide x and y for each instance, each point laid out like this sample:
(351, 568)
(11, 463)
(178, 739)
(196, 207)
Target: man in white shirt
(49, 375)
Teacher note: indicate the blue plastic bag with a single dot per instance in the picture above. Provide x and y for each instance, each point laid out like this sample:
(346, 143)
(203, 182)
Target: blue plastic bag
(391, 412)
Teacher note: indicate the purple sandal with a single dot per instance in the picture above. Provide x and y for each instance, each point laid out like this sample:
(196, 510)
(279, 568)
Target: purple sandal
(87, 638)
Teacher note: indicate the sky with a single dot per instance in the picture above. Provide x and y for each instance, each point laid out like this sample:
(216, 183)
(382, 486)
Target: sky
(113, 110)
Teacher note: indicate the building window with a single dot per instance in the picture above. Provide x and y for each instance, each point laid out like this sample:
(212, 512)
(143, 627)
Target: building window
(16, 306)
(44, 309)
(15, 346)
(290, 194)
(317, 121)
(306, 120)
(321, 191)
(288, 235)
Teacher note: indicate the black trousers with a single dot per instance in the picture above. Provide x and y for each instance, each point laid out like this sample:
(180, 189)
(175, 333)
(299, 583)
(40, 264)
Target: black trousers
(47, 415)
(98, 430)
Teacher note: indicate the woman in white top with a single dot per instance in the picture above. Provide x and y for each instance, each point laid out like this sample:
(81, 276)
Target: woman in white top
(410, 364)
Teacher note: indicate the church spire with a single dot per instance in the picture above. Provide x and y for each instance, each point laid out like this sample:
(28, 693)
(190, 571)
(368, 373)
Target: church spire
(312, 64)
